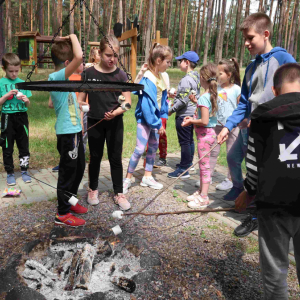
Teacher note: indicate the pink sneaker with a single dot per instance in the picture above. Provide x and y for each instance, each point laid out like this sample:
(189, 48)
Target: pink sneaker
(121, 200)
(93, 197)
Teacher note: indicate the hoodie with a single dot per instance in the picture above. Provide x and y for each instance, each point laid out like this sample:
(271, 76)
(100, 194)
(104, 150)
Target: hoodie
(147, 111)
(257, 83)
(273, 155)
(182, 104)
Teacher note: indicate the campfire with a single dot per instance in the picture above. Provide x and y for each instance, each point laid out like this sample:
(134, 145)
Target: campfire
(75, 266)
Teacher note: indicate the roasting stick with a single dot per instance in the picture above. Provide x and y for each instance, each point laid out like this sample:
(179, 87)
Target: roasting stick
(117, 229)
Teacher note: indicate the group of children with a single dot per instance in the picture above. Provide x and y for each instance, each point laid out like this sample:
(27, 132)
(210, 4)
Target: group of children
(224, 112)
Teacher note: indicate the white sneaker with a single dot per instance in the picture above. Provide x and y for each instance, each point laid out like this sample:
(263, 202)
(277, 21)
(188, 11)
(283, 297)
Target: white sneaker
(126, 185)
(149, 181)
(226, 184)
(192, 169)
(199, 202)
(193, 196)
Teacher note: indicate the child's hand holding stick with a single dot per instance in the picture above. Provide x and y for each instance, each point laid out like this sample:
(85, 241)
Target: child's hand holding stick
(242, 201)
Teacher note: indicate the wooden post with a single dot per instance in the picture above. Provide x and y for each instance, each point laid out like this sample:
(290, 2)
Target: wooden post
(157, 40)
(31, 14)
(48, 17)
(133, 57)
(35, 55)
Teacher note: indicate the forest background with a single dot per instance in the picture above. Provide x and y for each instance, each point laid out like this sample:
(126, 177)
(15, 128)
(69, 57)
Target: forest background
(209, 27)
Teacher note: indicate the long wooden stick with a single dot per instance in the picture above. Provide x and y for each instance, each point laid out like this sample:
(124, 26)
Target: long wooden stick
(163, 190)
(206, 210)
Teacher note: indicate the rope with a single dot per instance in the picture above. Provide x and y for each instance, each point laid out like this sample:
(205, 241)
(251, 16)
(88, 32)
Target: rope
(163, 190)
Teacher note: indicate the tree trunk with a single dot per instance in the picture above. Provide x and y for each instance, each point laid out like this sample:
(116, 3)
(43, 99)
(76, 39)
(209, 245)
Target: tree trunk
(293, 27)
(221, 41)
(158, 15)
(2, 34)
(148, 39)
(271, 9)
(124, 14)
(48, 21)
(174, 24)
(90, 20)
(195, 39)
(41, 30)
(164, 32)
(153, 34)
(286, 23)
(59, 14)
(9, 33)
(169, 19)
(72, 17)
(229, 27)
(186, 9)
(213, 40)
(237, 30)
(180, 30)
(297, 38)
(200, 32)
(134, 8)
(219, 20)
(208, 28)
(110, 17)
(96, 14)
(104, 15)
(260, 8)
(20, 15)
(243, 44)
(31, 15)
(280, 22)
(275, 21)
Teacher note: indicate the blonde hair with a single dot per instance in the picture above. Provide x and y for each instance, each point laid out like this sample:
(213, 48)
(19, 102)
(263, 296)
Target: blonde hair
(10, 59)
(210, 74)
(158, 51)
(111, 39)
(92, 55)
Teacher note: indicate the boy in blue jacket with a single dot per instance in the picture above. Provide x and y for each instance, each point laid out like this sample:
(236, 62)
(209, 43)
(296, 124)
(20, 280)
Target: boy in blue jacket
(272, 178)
(256, 89)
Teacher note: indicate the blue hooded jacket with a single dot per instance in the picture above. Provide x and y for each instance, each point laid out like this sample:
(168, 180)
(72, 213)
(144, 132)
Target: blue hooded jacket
(257, 83)
(147, 111)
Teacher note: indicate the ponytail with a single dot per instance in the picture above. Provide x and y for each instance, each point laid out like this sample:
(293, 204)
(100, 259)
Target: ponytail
(232, 66)
(209, 73)
(157, 51)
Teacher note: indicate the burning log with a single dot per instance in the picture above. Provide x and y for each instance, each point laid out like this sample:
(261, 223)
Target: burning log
(124, 283)
(73, 268)
(85, 266)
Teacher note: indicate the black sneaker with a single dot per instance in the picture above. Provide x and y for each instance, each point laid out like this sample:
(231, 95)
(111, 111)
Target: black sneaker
(249, 224)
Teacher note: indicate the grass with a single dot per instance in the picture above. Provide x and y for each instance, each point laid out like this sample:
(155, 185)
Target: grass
(42, 138)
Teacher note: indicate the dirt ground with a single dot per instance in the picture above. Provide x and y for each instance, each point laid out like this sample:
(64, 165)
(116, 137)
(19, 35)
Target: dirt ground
(200, 257)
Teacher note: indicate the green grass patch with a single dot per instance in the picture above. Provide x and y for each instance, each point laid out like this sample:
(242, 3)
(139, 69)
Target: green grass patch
(212, 226)
(252, 246)
(203, 234)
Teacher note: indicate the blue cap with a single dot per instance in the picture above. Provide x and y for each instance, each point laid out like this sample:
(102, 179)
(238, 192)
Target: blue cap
(190, 55)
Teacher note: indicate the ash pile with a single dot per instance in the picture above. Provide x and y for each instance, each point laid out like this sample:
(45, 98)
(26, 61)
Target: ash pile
(80, 266)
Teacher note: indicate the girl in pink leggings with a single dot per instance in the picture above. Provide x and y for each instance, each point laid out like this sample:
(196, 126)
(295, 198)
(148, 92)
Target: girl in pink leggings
(204, 126)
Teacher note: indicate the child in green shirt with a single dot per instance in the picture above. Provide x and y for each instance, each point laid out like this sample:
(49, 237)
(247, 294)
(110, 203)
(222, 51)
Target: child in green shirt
(14, 119)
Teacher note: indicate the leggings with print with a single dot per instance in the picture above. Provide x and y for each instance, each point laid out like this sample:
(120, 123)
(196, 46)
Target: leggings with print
(144, 135)
(206, 137)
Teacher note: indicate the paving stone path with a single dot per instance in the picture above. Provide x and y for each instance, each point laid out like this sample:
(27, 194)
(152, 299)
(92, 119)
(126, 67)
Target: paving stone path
(38, 191)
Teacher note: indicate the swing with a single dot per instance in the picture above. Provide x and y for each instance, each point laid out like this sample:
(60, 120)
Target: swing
(79, 86)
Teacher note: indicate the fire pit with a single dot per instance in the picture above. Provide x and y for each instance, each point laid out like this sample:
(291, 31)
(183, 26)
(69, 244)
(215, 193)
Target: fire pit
(81, 264)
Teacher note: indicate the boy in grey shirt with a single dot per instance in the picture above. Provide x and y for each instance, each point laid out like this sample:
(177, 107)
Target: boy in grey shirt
(183, 108)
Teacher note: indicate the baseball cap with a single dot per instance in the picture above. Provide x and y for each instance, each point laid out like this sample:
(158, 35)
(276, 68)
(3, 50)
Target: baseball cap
(189, 55)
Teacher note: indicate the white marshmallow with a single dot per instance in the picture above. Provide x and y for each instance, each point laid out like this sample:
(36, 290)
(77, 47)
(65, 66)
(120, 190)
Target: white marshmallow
(125, 106)
(73, 200)
(121, 99)
(116, 230)
(118, 214)
(85, 108)
(193, 92)
(19, 95)
(172, 91)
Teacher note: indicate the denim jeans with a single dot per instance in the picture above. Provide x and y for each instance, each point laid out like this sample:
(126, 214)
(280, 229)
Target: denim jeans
(236, 156)
(186, 141)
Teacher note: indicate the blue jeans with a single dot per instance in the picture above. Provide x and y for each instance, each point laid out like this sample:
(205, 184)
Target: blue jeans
(186, 141)
(236, 156)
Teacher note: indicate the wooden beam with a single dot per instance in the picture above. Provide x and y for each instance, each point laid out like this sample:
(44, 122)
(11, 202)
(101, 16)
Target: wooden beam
(133, 57)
